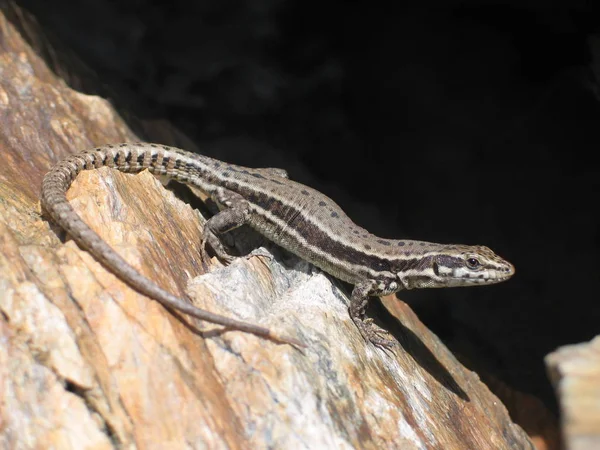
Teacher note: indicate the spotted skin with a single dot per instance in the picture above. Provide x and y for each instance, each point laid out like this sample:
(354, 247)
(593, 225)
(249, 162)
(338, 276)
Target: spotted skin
(296, 217)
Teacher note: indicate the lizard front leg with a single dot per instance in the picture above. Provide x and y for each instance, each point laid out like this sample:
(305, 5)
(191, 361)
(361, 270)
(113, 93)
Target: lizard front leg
(235, 214)
(359, 301)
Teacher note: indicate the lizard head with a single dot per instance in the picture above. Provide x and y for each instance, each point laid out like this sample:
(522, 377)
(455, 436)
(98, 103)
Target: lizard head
(459, 265)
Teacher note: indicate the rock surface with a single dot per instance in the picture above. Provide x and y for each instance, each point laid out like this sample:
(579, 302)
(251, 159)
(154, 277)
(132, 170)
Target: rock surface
(575, 373)
(85, 362)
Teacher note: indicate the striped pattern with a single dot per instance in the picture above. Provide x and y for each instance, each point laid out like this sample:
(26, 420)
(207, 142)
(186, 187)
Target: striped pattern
(299, 218)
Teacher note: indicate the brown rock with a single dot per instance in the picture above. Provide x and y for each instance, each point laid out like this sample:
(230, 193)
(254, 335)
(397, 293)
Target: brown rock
(85, 362)
(575, 374)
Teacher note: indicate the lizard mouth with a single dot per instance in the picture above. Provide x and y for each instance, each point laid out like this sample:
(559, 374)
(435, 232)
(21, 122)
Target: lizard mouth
(490, 276)
(463, 276)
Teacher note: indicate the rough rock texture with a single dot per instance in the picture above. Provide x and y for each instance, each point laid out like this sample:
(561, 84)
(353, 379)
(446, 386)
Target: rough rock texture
(529, 412)
(575, 373)
(85, 362)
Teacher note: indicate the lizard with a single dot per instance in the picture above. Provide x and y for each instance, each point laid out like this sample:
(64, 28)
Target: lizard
(298, 218)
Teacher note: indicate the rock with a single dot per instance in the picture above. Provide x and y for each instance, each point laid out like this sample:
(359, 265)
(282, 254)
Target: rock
(575, 374)
(86, 362)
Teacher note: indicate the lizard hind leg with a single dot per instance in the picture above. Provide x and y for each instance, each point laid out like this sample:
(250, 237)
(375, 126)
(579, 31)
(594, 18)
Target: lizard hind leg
(234, 214)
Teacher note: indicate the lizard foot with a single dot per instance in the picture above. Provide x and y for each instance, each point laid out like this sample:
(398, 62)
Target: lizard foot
(220, 252)
(375, 334)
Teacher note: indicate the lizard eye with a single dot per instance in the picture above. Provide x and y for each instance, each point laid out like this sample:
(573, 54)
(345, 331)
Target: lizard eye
(473, 263)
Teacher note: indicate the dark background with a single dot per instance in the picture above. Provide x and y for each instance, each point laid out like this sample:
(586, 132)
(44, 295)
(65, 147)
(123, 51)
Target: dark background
(474, 123)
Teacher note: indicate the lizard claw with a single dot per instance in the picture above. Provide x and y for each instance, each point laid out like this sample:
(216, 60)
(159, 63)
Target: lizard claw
(219, 251)
(375, 334)
(226, 259)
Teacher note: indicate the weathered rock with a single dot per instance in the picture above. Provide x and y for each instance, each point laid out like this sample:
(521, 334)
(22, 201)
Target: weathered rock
(85, 362)
(575, 373)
